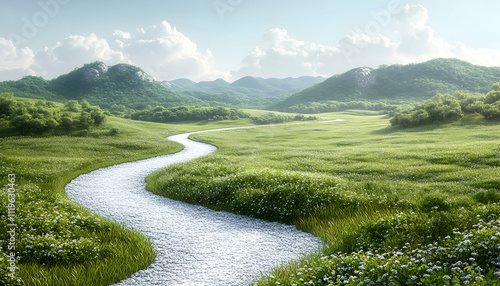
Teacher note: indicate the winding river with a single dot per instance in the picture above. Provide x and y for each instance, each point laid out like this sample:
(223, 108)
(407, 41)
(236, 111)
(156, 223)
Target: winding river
(195, 245)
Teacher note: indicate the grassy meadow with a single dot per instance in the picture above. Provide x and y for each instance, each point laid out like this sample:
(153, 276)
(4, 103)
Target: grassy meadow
(58, 242)
(415, 206)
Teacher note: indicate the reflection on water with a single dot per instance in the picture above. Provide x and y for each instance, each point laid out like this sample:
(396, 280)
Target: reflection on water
(195, 245)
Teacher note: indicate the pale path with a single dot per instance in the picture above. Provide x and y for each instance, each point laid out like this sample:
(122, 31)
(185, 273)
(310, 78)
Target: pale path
(195, 245)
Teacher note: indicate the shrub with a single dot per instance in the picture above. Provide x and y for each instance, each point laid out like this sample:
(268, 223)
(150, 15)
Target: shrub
(113, 131)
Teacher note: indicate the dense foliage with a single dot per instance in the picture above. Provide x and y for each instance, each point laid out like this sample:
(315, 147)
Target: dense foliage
(188, 113)
(273, 118)
(443, 108)
(398, 83)
(197, 113)
(334, 106)
(44, 116)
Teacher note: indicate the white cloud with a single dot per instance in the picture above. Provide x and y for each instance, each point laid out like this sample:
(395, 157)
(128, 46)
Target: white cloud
(160, 50)
(285, 56)
(72, 52)
(282, 55)
(417, 40)
(166, 53)
(14, 62)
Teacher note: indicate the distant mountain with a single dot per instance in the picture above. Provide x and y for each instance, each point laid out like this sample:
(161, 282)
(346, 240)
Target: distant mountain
(252, 82)
(178, 84)
(246, 92)
(101, 85)
(218, 83)
(398, 83)
(275, 85)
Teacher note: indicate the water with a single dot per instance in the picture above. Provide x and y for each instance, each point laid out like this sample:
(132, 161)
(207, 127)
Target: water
(195, 245)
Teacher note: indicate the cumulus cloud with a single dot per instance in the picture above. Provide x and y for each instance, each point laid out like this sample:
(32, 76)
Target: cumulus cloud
(74, 51)
(160, 50)
(283, 55)
(165, 53)
(14, 62)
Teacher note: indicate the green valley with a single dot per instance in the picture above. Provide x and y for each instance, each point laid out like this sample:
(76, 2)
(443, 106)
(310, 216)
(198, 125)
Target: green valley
(409, 195)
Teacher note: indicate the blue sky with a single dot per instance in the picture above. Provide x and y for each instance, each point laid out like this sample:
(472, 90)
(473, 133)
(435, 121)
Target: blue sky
(207, 39)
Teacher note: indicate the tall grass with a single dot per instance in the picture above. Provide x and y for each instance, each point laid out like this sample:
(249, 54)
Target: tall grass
(343, 180)
(58, 242)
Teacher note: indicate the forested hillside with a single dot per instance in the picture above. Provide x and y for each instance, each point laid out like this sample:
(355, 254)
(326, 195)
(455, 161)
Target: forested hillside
(395, 84)
(101, 85)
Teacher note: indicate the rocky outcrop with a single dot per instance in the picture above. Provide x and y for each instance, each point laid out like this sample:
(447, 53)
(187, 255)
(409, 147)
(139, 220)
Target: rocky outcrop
(365, 77)
(102, 69)
(92, 74)
(140, 75)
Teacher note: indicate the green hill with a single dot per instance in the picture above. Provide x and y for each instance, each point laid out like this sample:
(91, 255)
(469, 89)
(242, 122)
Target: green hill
(101, 85)
(247, 92)
(397, 84)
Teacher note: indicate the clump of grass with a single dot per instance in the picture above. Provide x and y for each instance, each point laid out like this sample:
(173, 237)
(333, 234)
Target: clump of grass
(269, 194)
(487, 197)
(434, 202)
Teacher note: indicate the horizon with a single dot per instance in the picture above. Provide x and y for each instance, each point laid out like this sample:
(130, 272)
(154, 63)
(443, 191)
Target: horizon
(264, 78)
(207, 40)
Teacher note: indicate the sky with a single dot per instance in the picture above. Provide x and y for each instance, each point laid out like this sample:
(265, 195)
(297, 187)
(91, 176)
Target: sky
(209, 39)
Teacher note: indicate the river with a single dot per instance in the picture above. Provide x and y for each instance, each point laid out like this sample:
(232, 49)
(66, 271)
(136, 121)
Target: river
(195, 245)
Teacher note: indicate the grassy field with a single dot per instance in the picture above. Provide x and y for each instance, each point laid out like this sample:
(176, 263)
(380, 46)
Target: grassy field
(56, 241)
(394, 206)
(416, 205)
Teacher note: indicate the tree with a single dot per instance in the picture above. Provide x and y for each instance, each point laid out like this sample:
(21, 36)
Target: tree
(67, 122)
(7, 105)
(72, 106)
(85, 104)
(97, 116)
(494, 95)
(492, 111)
